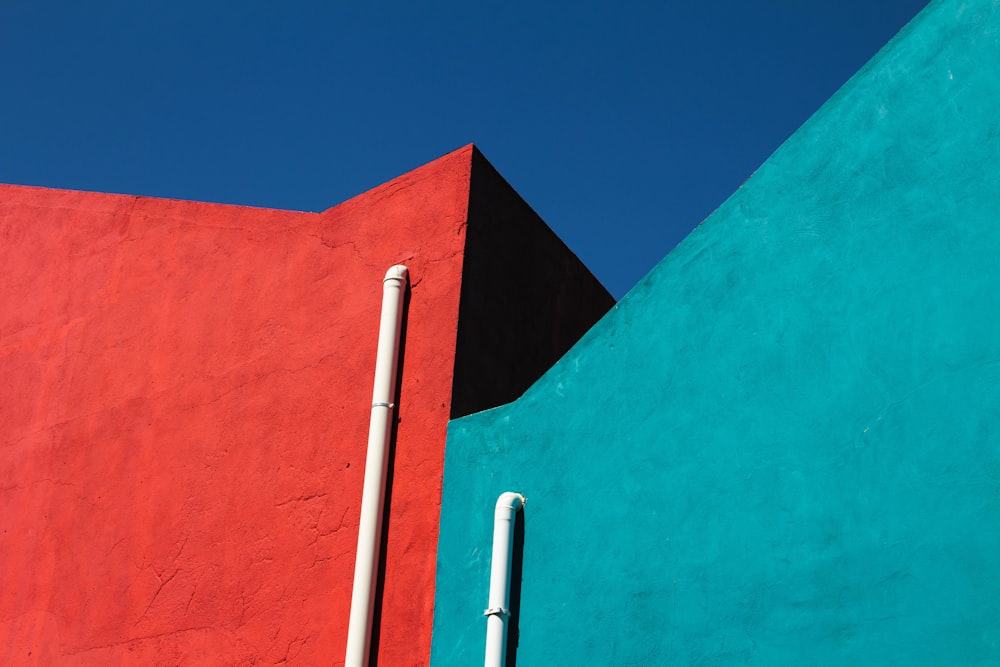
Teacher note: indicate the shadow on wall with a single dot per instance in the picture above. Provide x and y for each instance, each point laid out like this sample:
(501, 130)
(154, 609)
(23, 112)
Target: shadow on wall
(516, 570)
(526, 298)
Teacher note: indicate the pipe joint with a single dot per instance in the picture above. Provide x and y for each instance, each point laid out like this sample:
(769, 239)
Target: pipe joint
(397, 273)
(510, 501)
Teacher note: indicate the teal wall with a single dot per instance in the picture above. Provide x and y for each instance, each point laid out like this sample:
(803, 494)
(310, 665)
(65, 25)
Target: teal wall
(783, 446)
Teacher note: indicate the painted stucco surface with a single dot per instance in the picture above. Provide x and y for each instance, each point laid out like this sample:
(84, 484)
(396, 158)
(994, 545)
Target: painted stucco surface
(185, 415)
(184, 411)
(783, 446)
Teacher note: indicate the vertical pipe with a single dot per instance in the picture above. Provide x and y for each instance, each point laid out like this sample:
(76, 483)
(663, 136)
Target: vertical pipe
(376, 463)
(498, 612)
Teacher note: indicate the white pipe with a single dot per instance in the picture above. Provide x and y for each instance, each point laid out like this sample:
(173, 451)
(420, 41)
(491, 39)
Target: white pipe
(359, 631)
(503, 548)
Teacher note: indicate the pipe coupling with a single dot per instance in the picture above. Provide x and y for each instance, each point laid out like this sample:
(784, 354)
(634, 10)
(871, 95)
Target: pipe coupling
(496, 611)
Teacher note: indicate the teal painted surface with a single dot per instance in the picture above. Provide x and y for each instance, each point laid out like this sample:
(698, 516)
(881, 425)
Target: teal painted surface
(783, 446)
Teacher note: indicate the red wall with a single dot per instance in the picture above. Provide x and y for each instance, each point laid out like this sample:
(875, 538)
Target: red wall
(183, 420)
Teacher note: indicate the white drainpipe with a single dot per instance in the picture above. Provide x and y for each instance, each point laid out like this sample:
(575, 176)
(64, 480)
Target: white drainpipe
(373, 498)
(503, 547)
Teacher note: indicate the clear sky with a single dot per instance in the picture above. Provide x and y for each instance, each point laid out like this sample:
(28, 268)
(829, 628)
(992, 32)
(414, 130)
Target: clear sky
(624, 124)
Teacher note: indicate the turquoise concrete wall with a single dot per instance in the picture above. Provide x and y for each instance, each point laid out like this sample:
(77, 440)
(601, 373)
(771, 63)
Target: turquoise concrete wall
(783, 446)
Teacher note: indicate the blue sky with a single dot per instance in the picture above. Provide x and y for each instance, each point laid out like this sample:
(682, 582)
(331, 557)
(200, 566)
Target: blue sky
(623, 124)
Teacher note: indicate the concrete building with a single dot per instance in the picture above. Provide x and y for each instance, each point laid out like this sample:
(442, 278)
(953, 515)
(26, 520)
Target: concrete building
(184, 407)
(781, 448)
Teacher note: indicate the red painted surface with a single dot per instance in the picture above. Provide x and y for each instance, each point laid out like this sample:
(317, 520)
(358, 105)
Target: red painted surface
(183, 420)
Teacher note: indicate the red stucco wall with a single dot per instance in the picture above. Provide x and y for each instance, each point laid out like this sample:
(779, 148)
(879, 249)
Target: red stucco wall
(184, 399)
(183, 415)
